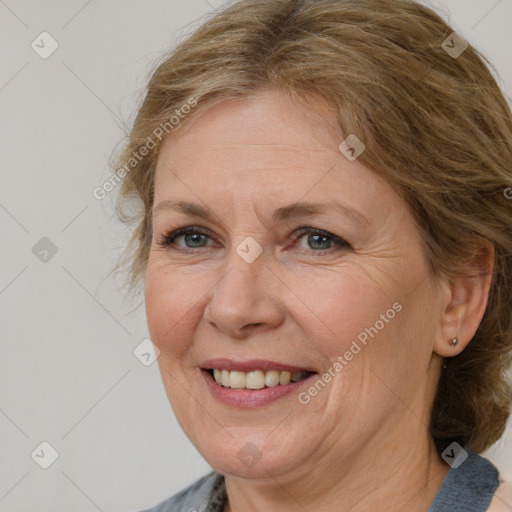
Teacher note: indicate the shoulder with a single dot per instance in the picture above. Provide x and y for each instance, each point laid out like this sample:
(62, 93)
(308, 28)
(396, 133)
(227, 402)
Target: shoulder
(469, 486)
(197, 497)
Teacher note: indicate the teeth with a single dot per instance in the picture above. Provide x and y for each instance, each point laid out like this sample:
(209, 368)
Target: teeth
(271, 378)
(284, 378)
(256, 379)
(237, 380)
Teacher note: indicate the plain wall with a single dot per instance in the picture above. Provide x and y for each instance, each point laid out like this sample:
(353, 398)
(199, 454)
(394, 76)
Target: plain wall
(68, 372)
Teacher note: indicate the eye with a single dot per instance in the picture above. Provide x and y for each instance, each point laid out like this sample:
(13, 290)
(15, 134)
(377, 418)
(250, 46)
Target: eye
(319, 241)
(192, 237)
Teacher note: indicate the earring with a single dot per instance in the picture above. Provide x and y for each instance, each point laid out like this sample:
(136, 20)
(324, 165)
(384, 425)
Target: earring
(452, 342)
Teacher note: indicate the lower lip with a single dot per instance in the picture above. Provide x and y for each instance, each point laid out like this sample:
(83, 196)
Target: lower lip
(250, 398)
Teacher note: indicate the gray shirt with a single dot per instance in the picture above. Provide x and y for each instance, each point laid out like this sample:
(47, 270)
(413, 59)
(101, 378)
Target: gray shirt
(467, 488)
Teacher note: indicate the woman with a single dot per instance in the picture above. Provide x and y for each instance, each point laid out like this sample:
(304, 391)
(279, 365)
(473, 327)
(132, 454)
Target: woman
(325, 243)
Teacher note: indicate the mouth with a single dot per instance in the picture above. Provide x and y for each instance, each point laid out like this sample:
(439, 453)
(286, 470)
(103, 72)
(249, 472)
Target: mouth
(252, 384)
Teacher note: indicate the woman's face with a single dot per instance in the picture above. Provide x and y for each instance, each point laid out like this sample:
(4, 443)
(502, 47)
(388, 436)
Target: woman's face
(296, 260)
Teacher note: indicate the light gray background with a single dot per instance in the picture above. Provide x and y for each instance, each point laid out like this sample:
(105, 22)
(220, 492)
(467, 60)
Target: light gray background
(68, 373)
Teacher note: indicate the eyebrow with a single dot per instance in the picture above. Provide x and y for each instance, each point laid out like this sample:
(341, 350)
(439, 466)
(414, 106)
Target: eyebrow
(294, 210)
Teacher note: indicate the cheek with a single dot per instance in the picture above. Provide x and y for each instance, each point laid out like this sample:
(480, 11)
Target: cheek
(345, 308)
(170, 308)
(375, 324)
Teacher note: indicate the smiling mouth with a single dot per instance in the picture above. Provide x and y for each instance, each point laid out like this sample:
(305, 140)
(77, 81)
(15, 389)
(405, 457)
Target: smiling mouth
(257, 379)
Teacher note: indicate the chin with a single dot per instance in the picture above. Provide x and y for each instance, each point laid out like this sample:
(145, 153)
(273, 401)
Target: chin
(248, 454)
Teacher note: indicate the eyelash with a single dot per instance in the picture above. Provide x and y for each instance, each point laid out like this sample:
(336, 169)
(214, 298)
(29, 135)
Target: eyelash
(168, 239)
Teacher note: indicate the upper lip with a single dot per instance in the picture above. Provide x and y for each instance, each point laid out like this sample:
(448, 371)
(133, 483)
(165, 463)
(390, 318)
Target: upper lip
(251, 365)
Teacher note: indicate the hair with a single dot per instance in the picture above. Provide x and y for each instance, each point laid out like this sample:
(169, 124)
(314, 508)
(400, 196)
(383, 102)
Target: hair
(437, 127)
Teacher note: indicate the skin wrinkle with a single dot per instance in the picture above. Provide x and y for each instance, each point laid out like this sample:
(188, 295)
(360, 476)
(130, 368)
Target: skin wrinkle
(367, 428)
(303, 309)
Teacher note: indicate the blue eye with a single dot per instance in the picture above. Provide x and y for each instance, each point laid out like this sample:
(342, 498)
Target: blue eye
(193, 237)
(317, 241)
(320, 241)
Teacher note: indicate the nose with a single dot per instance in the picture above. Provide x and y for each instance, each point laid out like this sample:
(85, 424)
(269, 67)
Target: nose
(246, 299)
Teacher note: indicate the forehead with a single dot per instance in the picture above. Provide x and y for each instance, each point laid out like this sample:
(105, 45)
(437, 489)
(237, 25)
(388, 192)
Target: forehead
(267, 124)
(265, 144)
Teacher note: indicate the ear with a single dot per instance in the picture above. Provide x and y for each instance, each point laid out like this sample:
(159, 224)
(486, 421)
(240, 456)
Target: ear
(464, 307)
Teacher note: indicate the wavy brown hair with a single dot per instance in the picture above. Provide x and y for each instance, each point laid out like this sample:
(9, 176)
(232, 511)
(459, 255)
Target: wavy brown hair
(438, 128)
